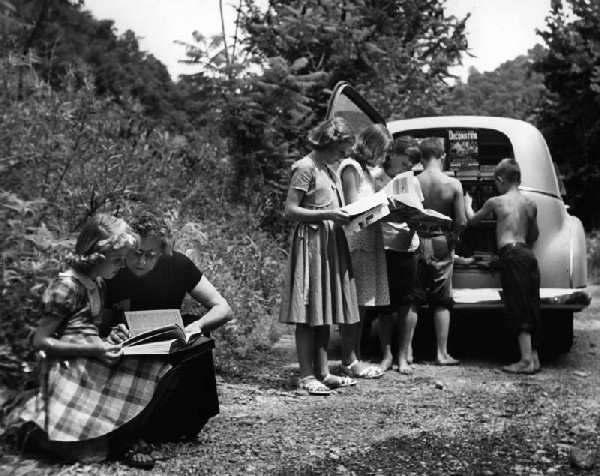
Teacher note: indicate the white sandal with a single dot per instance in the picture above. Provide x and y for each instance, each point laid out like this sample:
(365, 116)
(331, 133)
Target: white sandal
(313, 386)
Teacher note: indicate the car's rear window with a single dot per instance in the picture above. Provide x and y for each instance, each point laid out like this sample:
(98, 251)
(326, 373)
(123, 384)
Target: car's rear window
(471, 156)
(470, 152)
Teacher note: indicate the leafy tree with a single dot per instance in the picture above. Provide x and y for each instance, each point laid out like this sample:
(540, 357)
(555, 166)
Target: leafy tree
(396, 53)
(60, 33)
(570, 115)
(511, 90)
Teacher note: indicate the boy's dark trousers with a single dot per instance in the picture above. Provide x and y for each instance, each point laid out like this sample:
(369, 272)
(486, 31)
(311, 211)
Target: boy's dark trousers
(520, 278)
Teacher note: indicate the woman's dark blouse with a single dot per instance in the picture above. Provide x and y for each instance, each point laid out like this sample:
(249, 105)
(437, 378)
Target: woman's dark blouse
(162, 288)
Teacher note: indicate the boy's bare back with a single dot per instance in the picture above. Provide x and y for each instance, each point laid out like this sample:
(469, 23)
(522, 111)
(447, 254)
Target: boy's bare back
(443, 194)
(516, 218)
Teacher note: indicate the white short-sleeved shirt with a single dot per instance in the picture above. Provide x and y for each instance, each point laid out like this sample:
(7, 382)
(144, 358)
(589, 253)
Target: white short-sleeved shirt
(397, 236)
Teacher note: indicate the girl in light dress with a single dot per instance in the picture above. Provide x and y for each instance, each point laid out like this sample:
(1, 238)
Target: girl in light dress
(366, 247)
(319, 289)
(91, 400)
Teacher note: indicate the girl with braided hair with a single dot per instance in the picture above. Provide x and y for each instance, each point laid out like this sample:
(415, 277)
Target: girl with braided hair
(89, 397)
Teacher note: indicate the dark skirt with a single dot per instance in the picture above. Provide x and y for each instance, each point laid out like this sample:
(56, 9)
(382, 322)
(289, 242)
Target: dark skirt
(520, 278)
(191, 401)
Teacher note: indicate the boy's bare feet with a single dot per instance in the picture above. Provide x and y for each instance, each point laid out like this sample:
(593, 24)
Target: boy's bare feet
(405, 368)
(446, 360)
(386, 364)
(520, 367)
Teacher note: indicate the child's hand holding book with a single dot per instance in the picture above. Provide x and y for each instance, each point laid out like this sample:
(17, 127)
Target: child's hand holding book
(118, 334)
(107, 353)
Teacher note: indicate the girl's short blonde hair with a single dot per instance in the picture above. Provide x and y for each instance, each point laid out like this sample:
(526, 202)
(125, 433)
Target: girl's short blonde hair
(372, 145)
(332, 131)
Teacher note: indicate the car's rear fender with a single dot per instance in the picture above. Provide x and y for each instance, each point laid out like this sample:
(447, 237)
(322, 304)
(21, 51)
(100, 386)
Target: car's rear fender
(577, 252)
(554, 241)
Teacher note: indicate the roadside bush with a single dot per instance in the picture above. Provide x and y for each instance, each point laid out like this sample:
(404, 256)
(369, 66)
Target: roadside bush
(246, 265)
(66, 155)
(31, 256)
(593, 257)
(82, 154)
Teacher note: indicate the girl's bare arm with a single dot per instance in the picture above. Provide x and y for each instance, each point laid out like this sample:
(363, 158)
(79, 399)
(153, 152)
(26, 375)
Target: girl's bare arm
(294, 211)
(350, 184)
(43, 340)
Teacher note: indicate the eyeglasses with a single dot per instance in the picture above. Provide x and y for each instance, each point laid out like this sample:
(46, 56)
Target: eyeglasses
(148, 255)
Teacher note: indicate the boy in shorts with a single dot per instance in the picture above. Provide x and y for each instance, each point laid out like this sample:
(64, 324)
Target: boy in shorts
(435, 263)
(516, 230)
(400, 244)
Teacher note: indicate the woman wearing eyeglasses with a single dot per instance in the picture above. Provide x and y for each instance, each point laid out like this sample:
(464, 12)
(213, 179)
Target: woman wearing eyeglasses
(158, 277)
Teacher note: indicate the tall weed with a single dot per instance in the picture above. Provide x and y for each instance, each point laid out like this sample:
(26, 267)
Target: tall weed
(246, 265)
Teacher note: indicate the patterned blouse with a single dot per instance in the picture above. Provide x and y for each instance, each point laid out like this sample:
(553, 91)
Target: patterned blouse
(67, 299)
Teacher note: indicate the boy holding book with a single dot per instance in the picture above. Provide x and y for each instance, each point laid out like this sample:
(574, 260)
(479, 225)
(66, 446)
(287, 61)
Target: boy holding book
(516, 230)
(400, 243)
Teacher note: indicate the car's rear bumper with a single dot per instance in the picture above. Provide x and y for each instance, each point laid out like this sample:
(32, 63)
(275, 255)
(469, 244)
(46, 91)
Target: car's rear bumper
(552, 299)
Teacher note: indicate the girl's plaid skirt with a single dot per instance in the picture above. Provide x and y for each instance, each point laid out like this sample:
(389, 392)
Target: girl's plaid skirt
(81, 398)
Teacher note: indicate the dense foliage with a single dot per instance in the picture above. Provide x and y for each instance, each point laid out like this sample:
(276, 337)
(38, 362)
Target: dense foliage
(90, 123)
(68, 152)
(396, 53)
(511, 90)
(570, 115)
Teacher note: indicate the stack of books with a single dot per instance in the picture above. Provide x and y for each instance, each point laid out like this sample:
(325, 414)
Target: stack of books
(487, 171)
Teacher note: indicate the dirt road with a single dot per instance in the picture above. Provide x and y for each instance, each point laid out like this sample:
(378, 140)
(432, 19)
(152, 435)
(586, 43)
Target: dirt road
(466, 420)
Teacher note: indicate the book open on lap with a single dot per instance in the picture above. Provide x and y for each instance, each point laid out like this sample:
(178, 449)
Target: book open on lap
(156, 332)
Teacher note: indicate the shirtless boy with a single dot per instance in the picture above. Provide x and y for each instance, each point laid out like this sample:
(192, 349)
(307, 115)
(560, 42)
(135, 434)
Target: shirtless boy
(516, 230)
(443, 194)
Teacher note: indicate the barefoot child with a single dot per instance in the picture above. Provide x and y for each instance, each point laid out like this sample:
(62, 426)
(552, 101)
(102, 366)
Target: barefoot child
(400, 244)
(88, 393)
(319, 288)
(357, 175)
(436, 255)
(516, 230)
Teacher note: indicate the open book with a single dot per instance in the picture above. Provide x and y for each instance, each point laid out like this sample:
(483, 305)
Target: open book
(406, 207)
(365, 211)
(401, 200)
(405, 188)
(156, 332)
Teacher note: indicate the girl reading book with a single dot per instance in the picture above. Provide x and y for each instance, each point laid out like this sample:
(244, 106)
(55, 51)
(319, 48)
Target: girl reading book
(366, 246)
(319, 288)
(89, 397)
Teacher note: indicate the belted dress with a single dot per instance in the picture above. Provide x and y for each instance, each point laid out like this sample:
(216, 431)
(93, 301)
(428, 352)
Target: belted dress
(319, 287)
